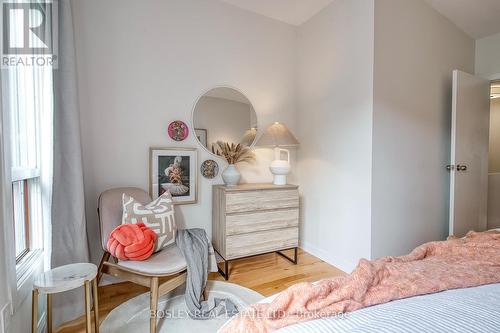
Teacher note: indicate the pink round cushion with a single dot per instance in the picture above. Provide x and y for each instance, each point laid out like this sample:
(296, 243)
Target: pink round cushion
(131, 242)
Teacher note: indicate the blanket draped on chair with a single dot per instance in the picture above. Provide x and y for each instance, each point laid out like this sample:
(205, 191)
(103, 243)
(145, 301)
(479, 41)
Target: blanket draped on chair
(200, 259)
(430, 268)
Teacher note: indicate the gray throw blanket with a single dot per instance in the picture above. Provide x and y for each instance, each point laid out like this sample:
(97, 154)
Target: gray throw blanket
(199, 255)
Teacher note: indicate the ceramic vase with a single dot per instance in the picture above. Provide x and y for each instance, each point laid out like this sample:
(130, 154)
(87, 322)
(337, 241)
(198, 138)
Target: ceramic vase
(231, 175)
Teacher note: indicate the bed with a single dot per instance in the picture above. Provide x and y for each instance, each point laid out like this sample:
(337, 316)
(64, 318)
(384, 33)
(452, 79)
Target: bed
(474, 309)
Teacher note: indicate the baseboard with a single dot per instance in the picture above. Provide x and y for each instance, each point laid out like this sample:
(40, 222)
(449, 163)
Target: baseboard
(328, 257)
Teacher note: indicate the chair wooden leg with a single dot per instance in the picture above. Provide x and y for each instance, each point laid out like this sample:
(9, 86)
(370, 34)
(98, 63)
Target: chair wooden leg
(34, 312)
(96, 305)
(88, 318)
(49, 313)
(105, 257)
(205, 294)
(153, 305)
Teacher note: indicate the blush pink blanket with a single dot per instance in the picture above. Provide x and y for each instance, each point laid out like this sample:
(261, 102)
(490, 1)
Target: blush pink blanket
(430, 268)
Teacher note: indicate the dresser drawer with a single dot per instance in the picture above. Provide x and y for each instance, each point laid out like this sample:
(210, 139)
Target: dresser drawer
(238, 202)
(264, 220)
(261, 242)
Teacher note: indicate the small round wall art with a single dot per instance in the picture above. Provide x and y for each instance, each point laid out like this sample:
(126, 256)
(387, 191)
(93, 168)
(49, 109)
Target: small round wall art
(209, 169)
(178, 130)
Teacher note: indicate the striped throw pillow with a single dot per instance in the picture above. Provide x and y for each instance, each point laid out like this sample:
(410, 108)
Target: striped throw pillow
(158, 215)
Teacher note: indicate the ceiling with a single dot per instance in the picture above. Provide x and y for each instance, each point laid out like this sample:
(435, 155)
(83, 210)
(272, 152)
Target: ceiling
(477, 18)
(293, 12)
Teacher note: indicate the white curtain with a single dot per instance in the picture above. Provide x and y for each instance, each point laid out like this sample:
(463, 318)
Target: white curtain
(69, 234)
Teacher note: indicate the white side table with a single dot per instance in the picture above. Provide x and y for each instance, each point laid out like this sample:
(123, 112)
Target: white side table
(62, 279)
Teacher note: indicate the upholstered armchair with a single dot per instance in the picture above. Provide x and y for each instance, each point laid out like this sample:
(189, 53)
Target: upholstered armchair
(161, 273)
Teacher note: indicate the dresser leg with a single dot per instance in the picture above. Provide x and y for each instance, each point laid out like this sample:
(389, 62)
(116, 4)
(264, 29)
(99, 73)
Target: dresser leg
(226, 270)
(295, 256)
(225, 273)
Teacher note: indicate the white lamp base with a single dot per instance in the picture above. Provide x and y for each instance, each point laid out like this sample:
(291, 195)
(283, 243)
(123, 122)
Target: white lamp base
(279, 180)
(280, 168)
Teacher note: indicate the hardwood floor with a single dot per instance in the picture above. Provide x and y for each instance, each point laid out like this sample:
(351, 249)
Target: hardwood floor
(266, 274)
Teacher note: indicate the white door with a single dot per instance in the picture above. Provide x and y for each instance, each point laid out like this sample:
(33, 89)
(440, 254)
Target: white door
(469, 153)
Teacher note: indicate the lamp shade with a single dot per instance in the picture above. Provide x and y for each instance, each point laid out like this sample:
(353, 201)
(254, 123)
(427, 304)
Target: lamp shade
(277, 135)
(249, 136)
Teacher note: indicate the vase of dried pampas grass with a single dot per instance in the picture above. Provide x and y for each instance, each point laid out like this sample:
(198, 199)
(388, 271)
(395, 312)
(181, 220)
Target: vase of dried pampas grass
(231, 175)
(232, 153)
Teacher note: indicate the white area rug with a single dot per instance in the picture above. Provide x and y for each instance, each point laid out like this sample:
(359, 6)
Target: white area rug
(133, 315)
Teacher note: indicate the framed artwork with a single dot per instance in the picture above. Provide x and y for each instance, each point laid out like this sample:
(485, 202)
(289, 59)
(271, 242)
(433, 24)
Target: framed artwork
(201, 134)
(178, 130)
(209, 169)
(174, 170)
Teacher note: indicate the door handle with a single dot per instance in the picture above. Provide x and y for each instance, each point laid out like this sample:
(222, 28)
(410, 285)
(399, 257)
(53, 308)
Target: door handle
(450, 167)
(461, 167)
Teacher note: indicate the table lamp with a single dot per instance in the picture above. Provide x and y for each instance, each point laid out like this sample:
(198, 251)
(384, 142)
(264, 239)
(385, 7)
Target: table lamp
(278, 136)
(249, 136)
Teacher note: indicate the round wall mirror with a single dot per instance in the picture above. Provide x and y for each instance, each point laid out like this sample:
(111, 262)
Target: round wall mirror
(224, 114)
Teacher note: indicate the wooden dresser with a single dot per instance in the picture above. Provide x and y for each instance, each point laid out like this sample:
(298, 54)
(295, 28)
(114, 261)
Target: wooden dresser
(252, 219)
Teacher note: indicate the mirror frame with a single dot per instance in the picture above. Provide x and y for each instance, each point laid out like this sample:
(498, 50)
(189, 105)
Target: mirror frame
(194, 108)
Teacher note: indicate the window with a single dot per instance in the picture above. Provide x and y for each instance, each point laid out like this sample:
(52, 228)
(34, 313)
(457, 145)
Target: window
(27, 97)
(23, 155)
(27, 120)
(20, 193)
(24, 88)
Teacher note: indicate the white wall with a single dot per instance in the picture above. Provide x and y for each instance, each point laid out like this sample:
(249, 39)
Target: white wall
(416, 50)
(223, 119)
(335, 76)
(142, 64)
(494, 153)
(493, 200)
(487, 64)
(488, 56)
(494, 167)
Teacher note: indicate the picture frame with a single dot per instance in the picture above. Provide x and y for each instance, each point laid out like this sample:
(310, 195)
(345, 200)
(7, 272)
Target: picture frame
(174, 169)
(202, 135)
